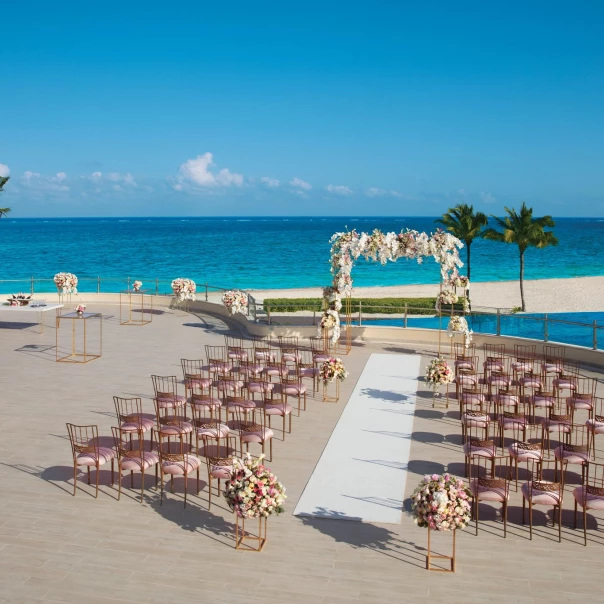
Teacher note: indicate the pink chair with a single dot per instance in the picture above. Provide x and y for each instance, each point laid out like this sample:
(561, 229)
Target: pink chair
(308, 370)
(472, 398)
(292, 385)
(500, 379)
(566, 381)
(495, 354)
(207, 428)
(132, 457)
(582, 398)
(173, 422)
(574, 450)
(88, 453)
(476, 446)
(253, 428)
(277, 407)
(557, 424)
(539, 491)
(176, 459)
(466, 376)
(524, 359)
(263, 352)
(553, 360)
(488, 487)
(590, 496)
(260, 385)
(236, 351)
(130, 416)
(166, 392)
(194, 375)
(289, 348)
(542, 399)
(596, 425)
(219, 468)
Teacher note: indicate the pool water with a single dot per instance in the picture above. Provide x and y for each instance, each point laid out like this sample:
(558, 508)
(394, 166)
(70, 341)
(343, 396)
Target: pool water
(534, 326)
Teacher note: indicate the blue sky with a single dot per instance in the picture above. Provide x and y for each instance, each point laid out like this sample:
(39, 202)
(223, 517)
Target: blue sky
(270, 108)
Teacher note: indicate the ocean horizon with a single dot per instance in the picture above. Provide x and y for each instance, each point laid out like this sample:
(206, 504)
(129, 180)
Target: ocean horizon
(267, 252)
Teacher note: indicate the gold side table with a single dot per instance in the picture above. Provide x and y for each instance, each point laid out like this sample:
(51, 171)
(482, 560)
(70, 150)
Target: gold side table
(82, 335)
(143, 301)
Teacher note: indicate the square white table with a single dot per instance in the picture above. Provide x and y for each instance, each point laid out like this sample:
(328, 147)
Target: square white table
(30, 309)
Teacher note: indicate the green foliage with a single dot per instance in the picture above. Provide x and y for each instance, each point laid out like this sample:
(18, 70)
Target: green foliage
(3, 181)
(389, 306)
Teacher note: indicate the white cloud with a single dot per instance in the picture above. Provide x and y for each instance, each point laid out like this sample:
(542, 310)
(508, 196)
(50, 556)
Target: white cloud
(375, 192)
(96, 176)
(39, 185)
(271, 183)
(59, 177)
(28, 175)
(396, 194)
(487, 197)
(197, 172)
(4, 170)
(300, 184)
(338, 190)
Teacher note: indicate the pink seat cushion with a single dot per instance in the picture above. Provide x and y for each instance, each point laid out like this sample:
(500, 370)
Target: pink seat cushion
(472, 399)
(222, 472)
(177, 428)
(555, 426)
(245, 404)
(509, 423)
(594, 502)
(488, 493)
(256, 436)
(210, 403)
(135, 424)
(219, 366)
(261, 355)
(211, 430)
(466, 380)
(90, 458)
(521, 366)
(577, 457)
(531, 382)
(321, 358)
(481, 451)
(149, 458)
(541, 401)
(310, 372)
(552, 368)
(228, 385)
(480, 421)
(261, 387)
(179, 468)
(169, 403)
(237, 354)
(595, 426)
(539, 497)
(199, 382)
(464, 365)
(579, 403)
(290, 357)
(276, 371)
(565, 384)
(494, 364)
(294, 389)
(277, 408)
(524, 454)
(500, 380)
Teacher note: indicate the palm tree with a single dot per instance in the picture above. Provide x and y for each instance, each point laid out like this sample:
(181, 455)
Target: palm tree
(3, 181)
(465, 224)
(525, 231)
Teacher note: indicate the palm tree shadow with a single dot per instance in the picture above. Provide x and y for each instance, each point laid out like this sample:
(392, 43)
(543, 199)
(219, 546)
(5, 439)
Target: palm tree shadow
(363, 535)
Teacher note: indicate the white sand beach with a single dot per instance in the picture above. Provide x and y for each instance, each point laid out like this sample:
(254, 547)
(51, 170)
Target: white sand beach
(576, 294)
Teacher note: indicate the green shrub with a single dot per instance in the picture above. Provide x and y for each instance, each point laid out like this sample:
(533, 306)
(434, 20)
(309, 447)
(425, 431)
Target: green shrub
(415, 306)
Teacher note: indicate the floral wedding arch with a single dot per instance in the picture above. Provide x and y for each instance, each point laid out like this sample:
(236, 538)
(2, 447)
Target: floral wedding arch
(347, 247)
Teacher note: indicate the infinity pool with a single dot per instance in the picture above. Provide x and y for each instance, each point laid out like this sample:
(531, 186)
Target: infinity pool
(521, 325)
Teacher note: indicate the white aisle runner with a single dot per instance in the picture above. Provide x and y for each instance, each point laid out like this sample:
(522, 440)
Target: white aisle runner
(362, 472)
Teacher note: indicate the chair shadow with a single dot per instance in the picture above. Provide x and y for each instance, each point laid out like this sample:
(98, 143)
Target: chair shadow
(45, 352)
(363, 535)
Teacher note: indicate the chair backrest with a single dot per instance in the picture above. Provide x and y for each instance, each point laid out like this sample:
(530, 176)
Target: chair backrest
(247, 419)
(543, 476)
(472, 396)
(476, 437)
(525, 351)
(288, 343)
(172, 448)
(460, 350)
(218, 353)
(126, 446)
(192, 368)
(305, 359)
(128, 409)
(233, 341)
(83, 439)
(165, 386)
(496, 351)
(263, 352)
(291, 374)
(585, 388)
(551, 354)
(317, 345)
(485, 469)
(571, 368)
(576, 440)
(507, 398)
(594, 479)
(599, 409)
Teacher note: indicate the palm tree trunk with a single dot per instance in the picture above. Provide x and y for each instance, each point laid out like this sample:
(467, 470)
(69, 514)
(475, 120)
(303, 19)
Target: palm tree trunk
(522, 280)
(468, 244)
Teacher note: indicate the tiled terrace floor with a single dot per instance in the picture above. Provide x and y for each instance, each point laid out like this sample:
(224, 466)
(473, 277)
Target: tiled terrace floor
(57, 548)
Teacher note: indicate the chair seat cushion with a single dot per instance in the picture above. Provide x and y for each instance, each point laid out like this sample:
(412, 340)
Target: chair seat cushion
(539, 497)
(277, 408)
(580, 403)
(201, 382)
(237, 354)
(221, 469)
(149, 458)
(517, 452)
(244, 404)
(211, 429)
(176, 427)
(552, 368)
(290, 357)
(256, 434)
(578, 457)
(531, 382)
(277, 371)
(209, 403)
(475, 421)
(555, 426)
(481, 451)
(591, 501)
(321, 358)
(595, 426)
(466, 380)
(488, 493)
(177, 400)
(185, 466)
(293, 389)
(139, 423)
(564, 384)
(464, 365)
(310, 372)
(228, 385)
(521, 366)
(541, 401)
(509, 423)
(262, 387)
(90, 458)
(493, 365)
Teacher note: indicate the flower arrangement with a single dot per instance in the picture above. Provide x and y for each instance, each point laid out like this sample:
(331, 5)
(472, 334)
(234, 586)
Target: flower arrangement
(446, 296)
(253, 491)
(333, 369)
(19, 299)
(459, 324)
(332, 300)
(461, 281)
(439, 372)
(441, 503)
(136, 285)
(330, 320)
(66, 283)
(184, 289)
(235, 301)
(80, 308)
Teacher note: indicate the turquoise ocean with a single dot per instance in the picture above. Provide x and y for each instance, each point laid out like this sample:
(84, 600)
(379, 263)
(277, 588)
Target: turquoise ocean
(259, 253)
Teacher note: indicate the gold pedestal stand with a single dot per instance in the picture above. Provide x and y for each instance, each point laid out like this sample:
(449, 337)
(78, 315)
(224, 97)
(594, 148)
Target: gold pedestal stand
(242, 540)
(80, 337)
(146, 307)
(436, 394)
(327, 398)
(430, 556)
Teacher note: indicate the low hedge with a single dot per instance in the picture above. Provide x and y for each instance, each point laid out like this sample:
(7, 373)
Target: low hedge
(389, 306)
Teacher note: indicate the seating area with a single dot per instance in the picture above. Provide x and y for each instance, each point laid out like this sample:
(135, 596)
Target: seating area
(55, 547)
